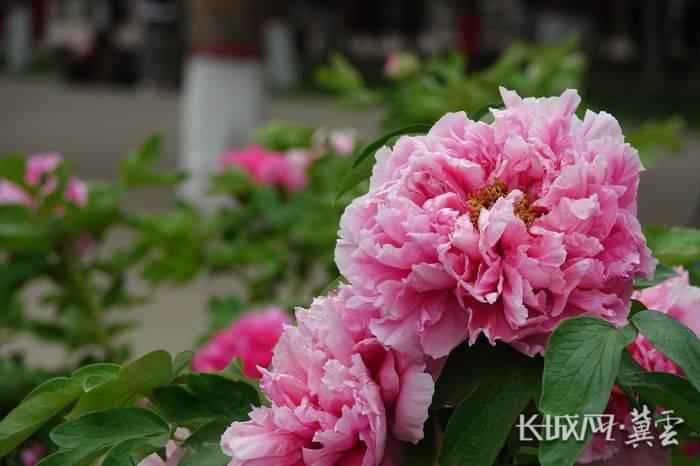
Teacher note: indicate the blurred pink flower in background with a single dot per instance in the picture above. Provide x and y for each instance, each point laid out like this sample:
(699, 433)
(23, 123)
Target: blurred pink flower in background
(250, 338)
(32, 454)
(10, 193)
(39, 173)
(338, 396)
(343, 141)
(40, 166)
(269, 168)
(503, 229)
(77, 192)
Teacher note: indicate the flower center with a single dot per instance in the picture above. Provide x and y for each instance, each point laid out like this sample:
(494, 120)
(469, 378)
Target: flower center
(487, 196)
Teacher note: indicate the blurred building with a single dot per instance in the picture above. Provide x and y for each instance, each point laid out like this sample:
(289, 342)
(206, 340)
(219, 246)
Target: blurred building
(129, 41)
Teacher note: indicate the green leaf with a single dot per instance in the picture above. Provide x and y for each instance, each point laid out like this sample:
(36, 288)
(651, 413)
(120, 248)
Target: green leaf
(137, 168)
(424, 453)
(80, 457)
(362, 166)
(110, 427)
(661, 273)
(133, 450)
(583, 356)
(669, 391)
(229, 401)
(673, 246)
(332, 286)
(480, 425)
(179, 406)
(339, 75)
(182, 362)
(42, 404)
(280, 135)
(203, 447)
(673, 339)
(206, 397)
(95, 374)
(484, 109)
(134, 381)
(12, 167)
(467, 366)
(653, 135)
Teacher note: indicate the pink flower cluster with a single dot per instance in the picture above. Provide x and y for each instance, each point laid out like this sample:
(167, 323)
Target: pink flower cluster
(269, 168)
(251, 338)
(503, 229)
(338, 395)
(680, 300)
(39, 174)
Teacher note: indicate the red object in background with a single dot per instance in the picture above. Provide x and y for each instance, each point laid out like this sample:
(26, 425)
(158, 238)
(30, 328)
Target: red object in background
(468, 30)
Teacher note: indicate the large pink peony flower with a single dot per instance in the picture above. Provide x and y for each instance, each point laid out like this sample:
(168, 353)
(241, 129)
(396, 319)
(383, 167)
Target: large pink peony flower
(503, 229)
(268, 168)
(250, 338)
(338, 396)
(677, 298)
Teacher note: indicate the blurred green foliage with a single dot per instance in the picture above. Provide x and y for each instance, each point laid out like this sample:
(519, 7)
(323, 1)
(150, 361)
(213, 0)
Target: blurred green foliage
(445, 84)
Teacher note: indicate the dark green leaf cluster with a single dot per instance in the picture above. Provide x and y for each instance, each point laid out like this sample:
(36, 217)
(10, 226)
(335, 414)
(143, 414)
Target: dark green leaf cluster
(121, 414)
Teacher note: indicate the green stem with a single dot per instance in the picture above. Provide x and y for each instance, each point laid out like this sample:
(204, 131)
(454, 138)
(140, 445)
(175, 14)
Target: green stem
(73, 275)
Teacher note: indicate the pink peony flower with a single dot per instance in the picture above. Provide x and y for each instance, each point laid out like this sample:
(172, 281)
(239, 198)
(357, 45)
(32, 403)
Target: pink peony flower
(343, 141)
(338, 396)
(269, 168)
(677, 298)
(503, 229)
(10, 193)
(250, 338)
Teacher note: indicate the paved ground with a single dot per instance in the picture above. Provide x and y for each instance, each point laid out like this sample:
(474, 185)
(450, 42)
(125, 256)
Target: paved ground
(95, 126)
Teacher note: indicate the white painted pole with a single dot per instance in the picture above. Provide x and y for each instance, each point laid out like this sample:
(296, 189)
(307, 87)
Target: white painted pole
(223, 93)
